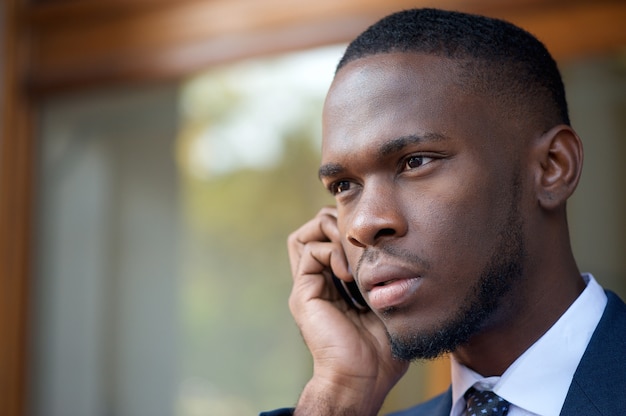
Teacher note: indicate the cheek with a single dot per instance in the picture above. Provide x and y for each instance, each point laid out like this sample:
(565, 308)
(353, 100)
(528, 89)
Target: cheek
(456, 231)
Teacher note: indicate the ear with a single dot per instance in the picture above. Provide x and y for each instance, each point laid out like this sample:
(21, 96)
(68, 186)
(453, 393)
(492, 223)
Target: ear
(559, 152)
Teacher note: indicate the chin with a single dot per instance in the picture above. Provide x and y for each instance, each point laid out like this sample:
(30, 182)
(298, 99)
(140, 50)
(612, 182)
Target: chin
(425, 345)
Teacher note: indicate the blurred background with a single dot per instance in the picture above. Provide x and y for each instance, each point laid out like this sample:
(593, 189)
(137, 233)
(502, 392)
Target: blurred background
(154, 156)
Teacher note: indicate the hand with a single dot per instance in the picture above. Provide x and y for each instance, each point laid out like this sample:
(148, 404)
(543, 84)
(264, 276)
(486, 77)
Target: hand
(353, 366)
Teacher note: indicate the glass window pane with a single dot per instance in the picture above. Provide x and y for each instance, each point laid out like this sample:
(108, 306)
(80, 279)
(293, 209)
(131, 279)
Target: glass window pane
(161, 272)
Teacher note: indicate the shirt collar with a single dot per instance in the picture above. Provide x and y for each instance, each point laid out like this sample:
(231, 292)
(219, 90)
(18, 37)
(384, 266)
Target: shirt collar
(538, 381)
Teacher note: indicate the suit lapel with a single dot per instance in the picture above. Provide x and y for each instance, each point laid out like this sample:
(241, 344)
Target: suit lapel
(437, 406)
(599, 384)
(445, 405)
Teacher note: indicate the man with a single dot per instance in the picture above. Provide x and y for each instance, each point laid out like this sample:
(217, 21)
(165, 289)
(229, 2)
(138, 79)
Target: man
(448, 148)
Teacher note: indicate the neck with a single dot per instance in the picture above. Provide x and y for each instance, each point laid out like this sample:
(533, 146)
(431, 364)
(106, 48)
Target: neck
(523, 317)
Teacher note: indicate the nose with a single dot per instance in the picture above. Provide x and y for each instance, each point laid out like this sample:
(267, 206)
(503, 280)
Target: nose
(377, 216)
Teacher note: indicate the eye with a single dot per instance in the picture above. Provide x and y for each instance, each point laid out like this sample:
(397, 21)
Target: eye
(339, 187)
(413, 162)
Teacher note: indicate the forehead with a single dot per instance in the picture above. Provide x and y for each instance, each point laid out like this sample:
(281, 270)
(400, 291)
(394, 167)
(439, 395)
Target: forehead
(394, 72)
(385, 76)
(398, 94)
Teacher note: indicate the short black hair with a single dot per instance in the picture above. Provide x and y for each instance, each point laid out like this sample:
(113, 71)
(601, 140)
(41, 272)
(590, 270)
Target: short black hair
(497, 56)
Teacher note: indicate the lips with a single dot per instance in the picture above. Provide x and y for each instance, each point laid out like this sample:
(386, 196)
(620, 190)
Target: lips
(394, 294)
(388, 286)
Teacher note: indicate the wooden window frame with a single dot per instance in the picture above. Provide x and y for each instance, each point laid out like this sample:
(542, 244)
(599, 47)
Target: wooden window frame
(56, 46)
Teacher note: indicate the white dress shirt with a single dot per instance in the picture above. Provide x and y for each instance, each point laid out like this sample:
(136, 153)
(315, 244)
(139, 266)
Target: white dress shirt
(538, 381)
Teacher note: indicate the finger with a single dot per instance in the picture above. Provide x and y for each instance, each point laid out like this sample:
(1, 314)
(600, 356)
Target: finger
(323, 227)
(319, 257)
(312, 280)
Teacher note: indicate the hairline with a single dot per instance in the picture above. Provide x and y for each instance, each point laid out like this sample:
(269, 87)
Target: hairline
(478, 75)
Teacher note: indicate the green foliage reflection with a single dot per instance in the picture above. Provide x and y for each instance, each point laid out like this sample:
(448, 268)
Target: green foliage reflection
(235, 275)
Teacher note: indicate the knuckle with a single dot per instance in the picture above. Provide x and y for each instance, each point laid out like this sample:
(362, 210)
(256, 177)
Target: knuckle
(292, 239)
(293, 302)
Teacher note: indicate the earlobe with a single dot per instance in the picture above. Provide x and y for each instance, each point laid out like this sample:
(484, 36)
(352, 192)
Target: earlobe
(560, 154)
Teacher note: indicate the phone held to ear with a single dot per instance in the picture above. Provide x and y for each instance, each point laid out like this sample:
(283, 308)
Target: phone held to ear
(350, 293)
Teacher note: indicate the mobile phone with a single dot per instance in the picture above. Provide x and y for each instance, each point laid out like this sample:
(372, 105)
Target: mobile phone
(350, 293)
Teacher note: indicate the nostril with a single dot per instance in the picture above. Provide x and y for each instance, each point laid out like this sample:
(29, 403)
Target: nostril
(355, 242)
(385, 232)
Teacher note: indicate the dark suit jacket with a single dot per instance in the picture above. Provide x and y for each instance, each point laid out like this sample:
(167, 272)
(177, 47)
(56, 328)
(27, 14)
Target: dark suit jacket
(599, 384)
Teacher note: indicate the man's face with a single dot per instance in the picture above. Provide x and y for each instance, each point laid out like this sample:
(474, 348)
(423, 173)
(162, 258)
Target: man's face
(428, 186)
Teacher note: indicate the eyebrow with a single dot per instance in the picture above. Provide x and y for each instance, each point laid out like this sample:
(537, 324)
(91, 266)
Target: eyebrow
(330, 170)
(399, 143)
(392, 146)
